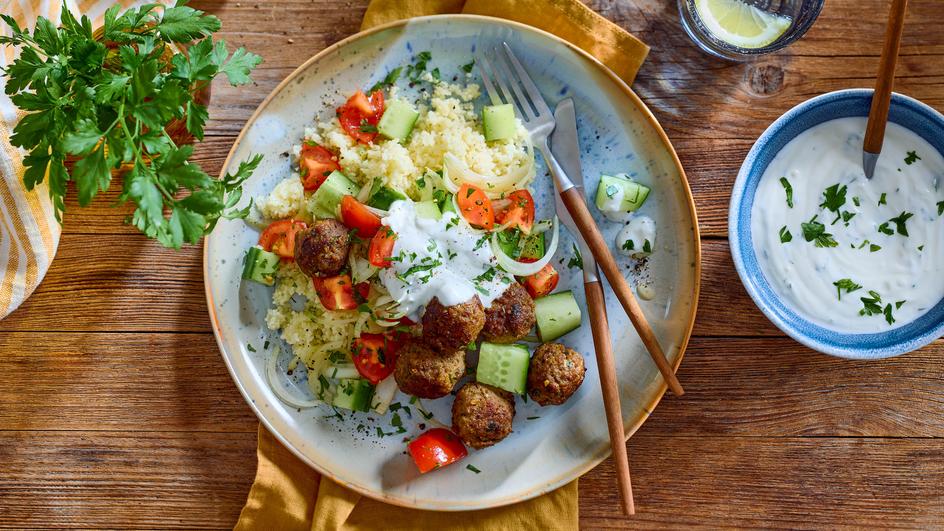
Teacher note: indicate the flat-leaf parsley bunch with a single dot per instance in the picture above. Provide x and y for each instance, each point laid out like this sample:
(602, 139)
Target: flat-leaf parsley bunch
(104, 103)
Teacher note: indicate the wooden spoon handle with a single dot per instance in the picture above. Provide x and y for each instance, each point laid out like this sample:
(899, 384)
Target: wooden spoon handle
(606, 365)
(601, 251)
(881, 99)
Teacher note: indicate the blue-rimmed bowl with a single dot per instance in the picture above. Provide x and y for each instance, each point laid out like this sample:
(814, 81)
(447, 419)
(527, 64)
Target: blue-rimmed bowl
(907, 112)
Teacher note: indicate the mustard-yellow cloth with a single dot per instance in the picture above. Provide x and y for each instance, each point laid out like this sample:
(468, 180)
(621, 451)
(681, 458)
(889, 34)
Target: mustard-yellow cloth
(287, 495)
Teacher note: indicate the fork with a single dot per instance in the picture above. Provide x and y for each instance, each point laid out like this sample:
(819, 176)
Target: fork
(516, 87)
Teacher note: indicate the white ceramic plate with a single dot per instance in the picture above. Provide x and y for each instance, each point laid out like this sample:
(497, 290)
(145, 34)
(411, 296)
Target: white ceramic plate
(618, 134)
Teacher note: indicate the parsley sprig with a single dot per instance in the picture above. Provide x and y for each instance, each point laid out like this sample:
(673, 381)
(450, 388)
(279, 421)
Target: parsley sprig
(104, 103)
(814, 231)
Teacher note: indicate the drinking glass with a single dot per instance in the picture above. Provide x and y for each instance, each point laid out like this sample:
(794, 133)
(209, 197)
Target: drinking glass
(801, 13)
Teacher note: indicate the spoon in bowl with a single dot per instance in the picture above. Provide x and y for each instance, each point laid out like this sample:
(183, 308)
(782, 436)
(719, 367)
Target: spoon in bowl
(881, 99)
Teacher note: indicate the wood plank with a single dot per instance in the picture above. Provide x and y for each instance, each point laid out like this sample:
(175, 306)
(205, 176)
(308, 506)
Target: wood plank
(173, 481)
(92, 381)
(140, 480)
(780, 483)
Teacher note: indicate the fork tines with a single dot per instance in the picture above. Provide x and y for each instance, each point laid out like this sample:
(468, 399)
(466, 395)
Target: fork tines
(502, 69)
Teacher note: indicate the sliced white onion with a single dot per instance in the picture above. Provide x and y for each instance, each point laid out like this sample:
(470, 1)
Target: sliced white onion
(522, 269)
(364, 193)
(341, 372)
(456, 171)
(380, 213)
(361, 269)
(541, 226)
(383, 394)
(280, 391)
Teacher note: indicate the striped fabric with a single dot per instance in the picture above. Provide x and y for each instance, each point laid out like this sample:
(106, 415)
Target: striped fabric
(29, 233)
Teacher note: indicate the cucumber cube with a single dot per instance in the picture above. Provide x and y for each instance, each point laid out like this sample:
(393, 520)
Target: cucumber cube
(353, 394)
(427, 210)
(260, 266)
(397, 120)
(503, 366)
(556, 315)
(618, 193)
(382, 196)
(324, 203)
(498, 122)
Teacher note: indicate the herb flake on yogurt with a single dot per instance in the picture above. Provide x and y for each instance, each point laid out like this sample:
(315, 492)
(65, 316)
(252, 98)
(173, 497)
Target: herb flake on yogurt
(851, 254)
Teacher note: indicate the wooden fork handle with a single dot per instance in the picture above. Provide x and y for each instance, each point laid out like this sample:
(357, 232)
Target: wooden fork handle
(606, 365)
(601, 251)
(884, 81)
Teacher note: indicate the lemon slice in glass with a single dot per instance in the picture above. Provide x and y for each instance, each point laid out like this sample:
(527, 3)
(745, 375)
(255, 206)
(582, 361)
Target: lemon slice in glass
(740, 24)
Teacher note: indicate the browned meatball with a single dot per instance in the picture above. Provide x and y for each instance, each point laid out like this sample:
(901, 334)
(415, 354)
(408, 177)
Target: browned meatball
(450, 328)
(321, 250)
(425, 373)
(555, 373)
(510, 317)
(482, 414)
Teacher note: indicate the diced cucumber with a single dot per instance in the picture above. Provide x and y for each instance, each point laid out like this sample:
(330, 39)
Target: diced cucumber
(397, 120)
(431, 187)
(498, 122)
(353, 394)
(617, 193)
(382, 196)
(556, 315)
(532, 247)
(324, 203)
(504, 366)
(447, 205)
(260, 266)
(427, 210)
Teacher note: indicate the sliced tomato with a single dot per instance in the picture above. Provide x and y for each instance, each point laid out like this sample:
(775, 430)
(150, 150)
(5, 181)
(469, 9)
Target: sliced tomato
(541, 283)
(380, 249)
(436, 448)
(475, 207)
(375, 356)
(279, 237)
(335, 293)
(316, 164)
(361, 114)
(519, 212)
(362, 291)
(356, 216)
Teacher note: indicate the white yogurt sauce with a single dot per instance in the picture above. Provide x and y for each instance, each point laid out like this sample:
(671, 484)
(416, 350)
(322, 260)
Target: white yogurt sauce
(440, 258)
(896, 267)
(638, 237)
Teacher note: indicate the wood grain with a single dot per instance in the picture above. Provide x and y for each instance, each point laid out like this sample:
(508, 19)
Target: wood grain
(115, 411)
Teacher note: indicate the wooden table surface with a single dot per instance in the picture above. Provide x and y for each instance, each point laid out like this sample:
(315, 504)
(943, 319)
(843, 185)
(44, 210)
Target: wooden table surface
(116, 410)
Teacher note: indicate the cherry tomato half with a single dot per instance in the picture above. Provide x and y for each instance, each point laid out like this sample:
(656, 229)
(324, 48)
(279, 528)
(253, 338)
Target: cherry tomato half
(316, 164)
(356, 216)
(519, 212)
(335, 293)
(279, 237)
(541, 283)
(436, 448)
(375, 356)
(360, 115)
(381, 247)
(475, 207)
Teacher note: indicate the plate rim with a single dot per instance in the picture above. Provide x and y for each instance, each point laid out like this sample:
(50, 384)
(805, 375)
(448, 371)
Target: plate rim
(629, 427)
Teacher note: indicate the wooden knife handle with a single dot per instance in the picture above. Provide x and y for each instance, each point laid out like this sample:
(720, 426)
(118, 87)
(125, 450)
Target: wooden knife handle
(885, 80)
(601, 251)
(606, 365)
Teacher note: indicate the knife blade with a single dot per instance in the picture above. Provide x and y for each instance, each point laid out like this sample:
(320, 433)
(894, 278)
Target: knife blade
(566, 145)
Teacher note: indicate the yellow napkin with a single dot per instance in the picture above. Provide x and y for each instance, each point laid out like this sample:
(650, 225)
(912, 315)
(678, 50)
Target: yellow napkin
(287, 494)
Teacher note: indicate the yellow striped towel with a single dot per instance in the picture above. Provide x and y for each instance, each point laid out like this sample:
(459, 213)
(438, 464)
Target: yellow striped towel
(29, 233)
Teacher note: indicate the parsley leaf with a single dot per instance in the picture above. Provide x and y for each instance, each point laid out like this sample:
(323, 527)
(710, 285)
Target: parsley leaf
(881, 200)
(814, 231)
(785, 235)
(467, 68)
(834, 197)
(900, 222)
(912, 158)
(940, 208)
(871, 305)
(845, 284)
(788, 189)
(576, 261)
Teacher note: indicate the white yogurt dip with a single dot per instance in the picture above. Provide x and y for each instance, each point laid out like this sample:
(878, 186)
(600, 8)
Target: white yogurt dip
(900, 276)
(638, 237)
(441, 258)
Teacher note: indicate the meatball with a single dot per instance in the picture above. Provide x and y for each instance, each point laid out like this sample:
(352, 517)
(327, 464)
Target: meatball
(321, 250)
(510, 317)
(482, 414)
(423, 372)
(555, 373)
(449, 328)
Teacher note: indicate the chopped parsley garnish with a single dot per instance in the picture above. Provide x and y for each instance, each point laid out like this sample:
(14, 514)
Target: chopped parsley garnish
(388, 80)
(855, 201)
(576, 260)
(900, 222)
(629, 245)
(885, 229)
(467, 68)
(367, 128)
(845, 284)
(533, 418)
(473, 469)
(336, 356)
(785, 235)
(788, 189)
(871, 305)
(898, 304)
(480, 243)
(912, 158)
(888, 314)
(482, 290)
(488, 275)
(416, 70)
(940, 208)
(418, 269)
(363, 307)
(873, 248)
(646, 247)
(250, 348)
(436, 75)
(834, 197)
(814, 231)
(881, 200)
(921, 247)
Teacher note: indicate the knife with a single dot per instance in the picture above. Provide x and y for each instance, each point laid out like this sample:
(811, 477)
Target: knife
(566, 147)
